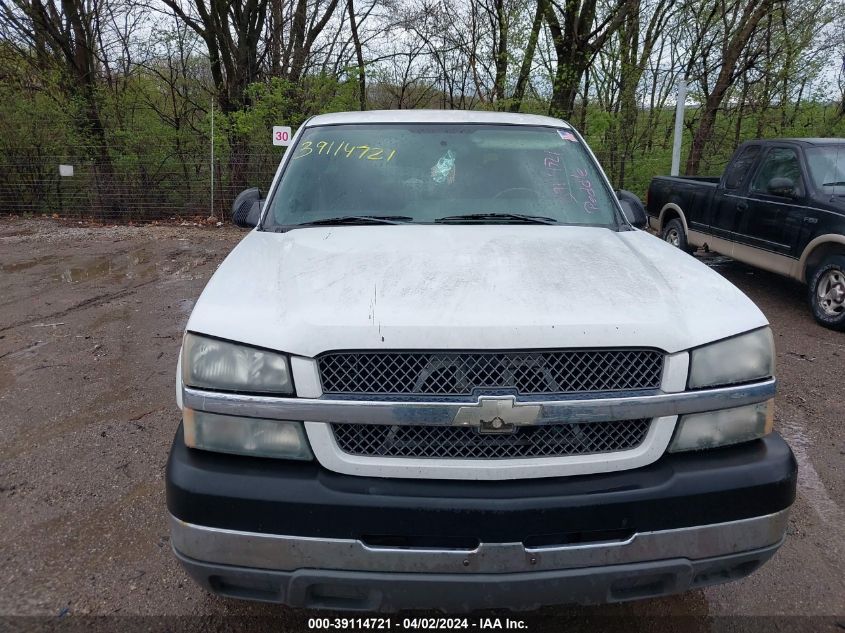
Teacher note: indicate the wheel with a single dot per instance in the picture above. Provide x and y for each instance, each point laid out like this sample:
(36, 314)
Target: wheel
(827, 293)
(673, 232)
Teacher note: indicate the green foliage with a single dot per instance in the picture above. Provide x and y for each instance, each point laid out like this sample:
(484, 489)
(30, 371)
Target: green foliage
(158, 135)
(158, 140)
(35, 121)
(281, 102)
(652, 151)
(37, 132)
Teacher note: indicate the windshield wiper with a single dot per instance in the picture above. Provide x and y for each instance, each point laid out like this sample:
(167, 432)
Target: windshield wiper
(357, 219)
(838, 183)
(511, 218)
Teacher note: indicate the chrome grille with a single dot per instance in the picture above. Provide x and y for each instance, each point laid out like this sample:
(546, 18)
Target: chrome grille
(459, 373)
(450, 442)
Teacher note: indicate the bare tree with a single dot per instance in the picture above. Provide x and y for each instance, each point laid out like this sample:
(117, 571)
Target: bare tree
(407, 79)
(498, 16)
(305, 30)
(636, 46)
(176, 64)
(62, 35)
(577, 32)
(232, 35)
(739, 20)
(528, 58)
(359, 55)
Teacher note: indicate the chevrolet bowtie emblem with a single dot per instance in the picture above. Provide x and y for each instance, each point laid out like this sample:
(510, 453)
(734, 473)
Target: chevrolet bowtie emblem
(497, 414)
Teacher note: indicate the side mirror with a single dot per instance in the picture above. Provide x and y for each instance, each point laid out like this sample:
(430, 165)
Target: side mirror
(246, 209)
(633, 209)
(784, 187)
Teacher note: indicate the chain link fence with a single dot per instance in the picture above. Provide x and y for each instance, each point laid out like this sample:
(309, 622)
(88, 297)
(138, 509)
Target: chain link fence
(181, 188)
(140, 191)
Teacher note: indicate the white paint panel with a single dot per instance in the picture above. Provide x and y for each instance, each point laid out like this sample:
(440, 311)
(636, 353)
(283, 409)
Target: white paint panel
(467, 287)
(675, 370)
(434, 116)
(306, 377)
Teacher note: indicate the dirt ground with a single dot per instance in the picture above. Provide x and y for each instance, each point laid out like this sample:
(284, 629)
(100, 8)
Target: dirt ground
(90, 324)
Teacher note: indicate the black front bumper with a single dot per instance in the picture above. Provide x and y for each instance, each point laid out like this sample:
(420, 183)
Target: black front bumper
(303, 499)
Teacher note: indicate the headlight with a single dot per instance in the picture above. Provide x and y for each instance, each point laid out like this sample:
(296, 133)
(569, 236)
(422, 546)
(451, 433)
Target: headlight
(720, 428)
(739, 359)
(208, 363)
(245, 436)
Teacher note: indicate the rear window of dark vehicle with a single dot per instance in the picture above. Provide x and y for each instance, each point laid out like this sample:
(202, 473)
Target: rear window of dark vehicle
(738, 171)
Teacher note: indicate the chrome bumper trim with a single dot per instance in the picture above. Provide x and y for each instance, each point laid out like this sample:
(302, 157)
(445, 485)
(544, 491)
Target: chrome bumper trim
(561, 411)
(288, 553)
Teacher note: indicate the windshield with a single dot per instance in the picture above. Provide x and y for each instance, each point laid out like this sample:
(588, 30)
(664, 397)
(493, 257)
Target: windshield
(423, 173)
(827, 168)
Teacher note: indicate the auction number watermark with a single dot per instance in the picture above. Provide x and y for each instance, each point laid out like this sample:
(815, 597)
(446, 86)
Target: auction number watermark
(417, 624)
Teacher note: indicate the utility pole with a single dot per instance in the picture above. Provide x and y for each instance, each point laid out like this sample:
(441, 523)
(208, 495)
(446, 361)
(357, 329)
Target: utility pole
(443, 13)
(212, 157)
(679, 125)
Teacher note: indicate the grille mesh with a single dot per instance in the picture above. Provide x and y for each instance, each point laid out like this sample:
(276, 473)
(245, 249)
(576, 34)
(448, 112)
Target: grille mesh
(458, 373)
(449, 442)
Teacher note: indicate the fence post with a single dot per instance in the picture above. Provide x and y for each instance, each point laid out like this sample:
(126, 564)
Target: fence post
(679, 125)
(212, 156)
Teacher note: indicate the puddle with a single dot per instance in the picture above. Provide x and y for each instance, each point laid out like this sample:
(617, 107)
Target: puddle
(810, 484)
(100, 266)
(122, 265)
(716, 261)
(27, 264)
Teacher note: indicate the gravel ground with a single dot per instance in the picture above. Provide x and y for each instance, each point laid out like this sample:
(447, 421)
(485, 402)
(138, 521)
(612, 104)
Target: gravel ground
(90, 324)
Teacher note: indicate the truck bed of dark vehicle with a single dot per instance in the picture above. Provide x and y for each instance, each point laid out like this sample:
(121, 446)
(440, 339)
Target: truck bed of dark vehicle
(689, 192)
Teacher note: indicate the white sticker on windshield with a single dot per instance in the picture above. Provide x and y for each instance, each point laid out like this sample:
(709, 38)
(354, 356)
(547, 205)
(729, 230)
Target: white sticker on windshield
(567, 136)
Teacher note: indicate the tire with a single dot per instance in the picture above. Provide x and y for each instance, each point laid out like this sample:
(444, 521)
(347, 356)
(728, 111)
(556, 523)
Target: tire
(673, 232)
(826, 293)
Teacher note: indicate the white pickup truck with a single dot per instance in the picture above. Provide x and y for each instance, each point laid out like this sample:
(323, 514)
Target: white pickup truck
(445, 370)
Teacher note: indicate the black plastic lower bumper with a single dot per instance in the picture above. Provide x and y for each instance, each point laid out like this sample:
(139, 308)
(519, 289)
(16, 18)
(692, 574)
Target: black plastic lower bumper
(457, 593)
(304, 499)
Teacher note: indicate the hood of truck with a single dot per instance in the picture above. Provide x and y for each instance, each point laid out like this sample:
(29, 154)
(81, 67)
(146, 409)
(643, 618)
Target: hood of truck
(466, 287)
